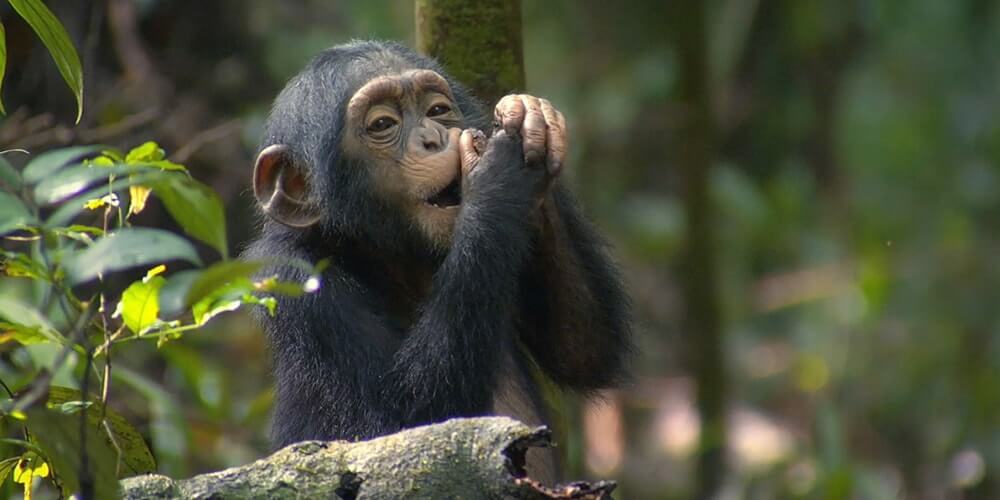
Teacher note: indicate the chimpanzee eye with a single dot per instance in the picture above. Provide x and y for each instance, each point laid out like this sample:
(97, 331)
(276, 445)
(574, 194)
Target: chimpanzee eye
(381, 124)
(438, 110)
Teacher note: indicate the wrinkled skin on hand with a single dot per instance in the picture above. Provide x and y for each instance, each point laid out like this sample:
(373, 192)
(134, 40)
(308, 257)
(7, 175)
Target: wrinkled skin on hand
(541, 127)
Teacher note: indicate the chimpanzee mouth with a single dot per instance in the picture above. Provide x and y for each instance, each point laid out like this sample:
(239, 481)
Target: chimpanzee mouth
(450, 196)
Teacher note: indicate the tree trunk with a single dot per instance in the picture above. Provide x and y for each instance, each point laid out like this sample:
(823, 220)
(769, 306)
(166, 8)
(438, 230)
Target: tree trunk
(702, 324)
(479, 43)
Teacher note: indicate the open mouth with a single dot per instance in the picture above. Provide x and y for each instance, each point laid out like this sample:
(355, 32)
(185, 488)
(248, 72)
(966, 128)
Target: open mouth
(450, 196)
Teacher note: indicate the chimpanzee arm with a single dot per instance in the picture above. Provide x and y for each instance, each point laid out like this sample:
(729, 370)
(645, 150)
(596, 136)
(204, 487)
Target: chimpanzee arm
(337, 375)
(576, 312)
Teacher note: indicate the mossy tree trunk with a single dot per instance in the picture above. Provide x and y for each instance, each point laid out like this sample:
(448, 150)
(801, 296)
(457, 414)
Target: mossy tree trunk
(478, 41)
(699, 272)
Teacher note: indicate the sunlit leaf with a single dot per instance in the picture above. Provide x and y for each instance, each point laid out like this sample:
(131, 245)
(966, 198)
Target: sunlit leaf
(27, 470)
(13, 213)
(128, 248)
(196, 208)
(140, 305)
(48, 163)
(137, 198)
(145, 152)
(55, 38)
(206, 309)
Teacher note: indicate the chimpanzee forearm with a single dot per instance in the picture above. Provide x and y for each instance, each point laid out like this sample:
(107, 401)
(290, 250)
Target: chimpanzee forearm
(448, 364)
(576, 311)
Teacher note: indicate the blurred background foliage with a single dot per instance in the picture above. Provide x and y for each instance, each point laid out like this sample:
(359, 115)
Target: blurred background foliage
(856, 189)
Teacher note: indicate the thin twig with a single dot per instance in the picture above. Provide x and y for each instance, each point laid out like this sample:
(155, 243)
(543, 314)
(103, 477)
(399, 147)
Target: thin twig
(213, 134)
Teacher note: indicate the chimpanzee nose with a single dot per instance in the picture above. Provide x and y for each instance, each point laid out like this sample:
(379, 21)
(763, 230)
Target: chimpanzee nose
(432, 136)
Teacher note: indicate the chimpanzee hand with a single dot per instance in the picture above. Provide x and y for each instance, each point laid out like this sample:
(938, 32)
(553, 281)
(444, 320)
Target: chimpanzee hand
(495, 168)
(539, 124)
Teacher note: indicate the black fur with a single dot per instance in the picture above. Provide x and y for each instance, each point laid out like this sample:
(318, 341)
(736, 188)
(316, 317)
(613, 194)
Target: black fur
(367, 354)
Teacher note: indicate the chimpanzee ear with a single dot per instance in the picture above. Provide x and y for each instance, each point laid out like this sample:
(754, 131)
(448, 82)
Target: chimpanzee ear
(281, 188)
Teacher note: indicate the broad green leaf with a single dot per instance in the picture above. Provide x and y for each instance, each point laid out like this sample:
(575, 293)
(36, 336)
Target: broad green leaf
(55, 38)
(73, 180)
(3, 62)
(13, 213)
(48, 163)
(128, 248)
(174, 291)
(167, 427)
(136, 458)
(8, 175)
(21, 334)
(196, 208)
(219, 276)
(20, 313)
(140, 305)
(58, 435)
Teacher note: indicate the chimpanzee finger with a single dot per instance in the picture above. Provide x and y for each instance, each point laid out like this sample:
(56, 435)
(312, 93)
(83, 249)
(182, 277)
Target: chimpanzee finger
(468, 153)
(533, 131)
(558, 140)
(509, 114)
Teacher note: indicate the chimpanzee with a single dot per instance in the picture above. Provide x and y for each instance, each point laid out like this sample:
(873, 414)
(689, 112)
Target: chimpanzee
(459, 267)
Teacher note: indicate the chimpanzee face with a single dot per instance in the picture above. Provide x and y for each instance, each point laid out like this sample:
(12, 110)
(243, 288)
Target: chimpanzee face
(404, 129)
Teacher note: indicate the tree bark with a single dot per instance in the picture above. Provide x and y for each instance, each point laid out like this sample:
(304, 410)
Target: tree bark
(460, 458)
(702, 323)
(479, 43)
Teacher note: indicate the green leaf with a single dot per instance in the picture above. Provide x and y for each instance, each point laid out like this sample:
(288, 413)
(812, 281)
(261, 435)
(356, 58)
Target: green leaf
(196, 208)
(13, 213)
(58, 435)
(174, 292)
(19, 265)
(6, 467)
(168, 428)
(140, 305)
(48, 163)
(71, 181)
(220, 276)
(146, 152)
(128, 248)
(22, 334)
(3, 62)
(20, 313)
(69, 208)
(136, 457)
(8, 175)
(55, 38)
